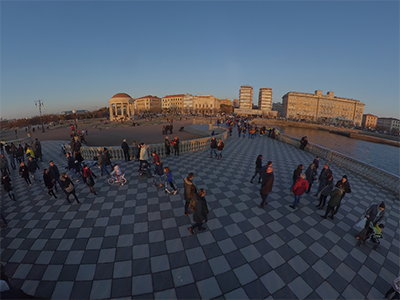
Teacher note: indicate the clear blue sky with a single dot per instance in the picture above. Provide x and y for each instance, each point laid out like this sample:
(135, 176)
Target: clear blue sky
(78, 54)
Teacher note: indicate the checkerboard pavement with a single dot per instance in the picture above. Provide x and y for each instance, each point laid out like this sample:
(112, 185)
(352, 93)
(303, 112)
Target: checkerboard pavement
(132, 241)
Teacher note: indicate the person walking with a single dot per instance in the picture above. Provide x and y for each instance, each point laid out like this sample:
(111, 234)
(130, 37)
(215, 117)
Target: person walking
(101, 161)
(298, 189)
(345, 185)
(48, 182)
(325, 192)
(220, 147)
(213, 147)
(144, 156)
(170, 180)
(32, 167)
(296, 174)
(7, 186)
(311, 175)
(335, 194)
(176, 146)
(259, 169)
(107, 158)
(125, 148)
(159, 172)
(88, 178)
(200, 211)
(190, 191)
(266, 187)
(374, 214)
(316, 162)
(135, 151)
(395, 288)
(68, 187)
(54, 174)
(4, 164)
(167, 145)
(24, 172)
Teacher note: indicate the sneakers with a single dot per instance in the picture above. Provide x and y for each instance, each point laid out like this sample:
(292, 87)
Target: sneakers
(175, 192)
(191, 230)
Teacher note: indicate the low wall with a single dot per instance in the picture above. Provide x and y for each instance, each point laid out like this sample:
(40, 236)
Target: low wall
(21, 141)
(385, 179)
(184, 147)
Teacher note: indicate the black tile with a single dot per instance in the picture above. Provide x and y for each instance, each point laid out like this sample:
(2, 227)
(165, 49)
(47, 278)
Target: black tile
(226, 220)
(231, 209)
(114, 221)
(286, 273)
(256, 290)
(284, 293)
(29, 258)
(346, 246)
(248, 214)
(391, 266)
(303, 225)
(90, 257)
(23, 233)
(241, 241)
(68, 273)
(104, 213)
(285, 222)
(260, 266)
(119, 204)
(372, 265)
(109, 242)
(312, 278)
(309, 256)
(338, 282)
(265, 231)
(381, 285)
(245, 226)
(190, 242)
(59, 257)
(211, 250)
(352, 263)
(201, 271)
(121, 287)
(338, 231)
(81, 290)
(286, 252)
(227, 281)
(129, 211)
(153, 207)
(126, 228)
(166, 214)
(171, 233)
(157, 248)
(162, 281)
(104, 271)
(220, 234)
(263, 247)
(266, 218)
(140, 238)
(331, 260)
(141, 218)
(52, 245)
(46, 234)
(79, 244)
(36, 273)
(143, 297)
(88, 223)
(184, 220)
(71, 233)
(187, 292)
(123, 253)
(360, 284)
(155, 225)
(235, 259)
(64, 224)
(141, 266)
(45, 289)
(306, 239)
(177, 259)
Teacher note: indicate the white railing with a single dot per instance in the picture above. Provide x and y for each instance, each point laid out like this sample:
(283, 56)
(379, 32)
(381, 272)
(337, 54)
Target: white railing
(385, 179)
(21, 141)
(184, 147)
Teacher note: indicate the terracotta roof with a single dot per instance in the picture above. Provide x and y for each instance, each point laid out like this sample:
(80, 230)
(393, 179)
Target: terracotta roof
(121, 95)
(148, 96)
(174, 96)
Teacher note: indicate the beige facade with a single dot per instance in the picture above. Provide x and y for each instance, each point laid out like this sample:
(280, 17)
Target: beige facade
(121, 107)
(188, 103)
(148, 104)
(319, 107)
(265, 99)
(369, 121)
(172, 102)
(246, 97)
(226, 102)
(206, 104)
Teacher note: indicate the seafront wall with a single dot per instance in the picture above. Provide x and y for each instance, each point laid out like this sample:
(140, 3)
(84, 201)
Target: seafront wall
(385, 179)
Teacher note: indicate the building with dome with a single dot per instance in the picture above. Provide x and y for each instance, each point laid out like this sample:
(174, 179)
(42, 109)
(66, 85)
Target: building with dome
(121, 107)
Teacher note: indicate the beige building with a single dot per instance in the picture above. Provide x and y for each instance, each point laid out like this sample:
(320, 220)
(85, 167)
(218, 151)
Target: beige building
(206, 104)
(226, 102)
(388, 124)
(121, 107)
(265, 99)
(148, 104)
(172, 102)
(369, 121)
(188, 103)
(246, 97)
(324, 108)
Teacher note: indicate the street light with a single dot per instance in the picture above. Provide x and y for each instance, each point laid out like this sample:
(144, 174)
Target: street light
(39, 104)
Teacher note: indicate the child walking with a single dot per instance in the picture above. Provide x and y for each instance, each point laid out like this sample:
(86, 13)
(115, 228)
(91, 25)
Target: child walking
(168, 175)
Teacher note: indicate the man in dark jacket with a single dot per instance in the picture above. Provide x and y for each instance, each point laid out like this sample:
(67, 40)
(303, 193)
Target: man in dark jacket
(68, 186)
(200, 211)
(323, 177)
(167, 145)
(190, 191)
(266, 186)
(213, 147)
(125, 148)
(334, 201)
(32, 167)
(55, 175)
(345, 186)
(101, 161)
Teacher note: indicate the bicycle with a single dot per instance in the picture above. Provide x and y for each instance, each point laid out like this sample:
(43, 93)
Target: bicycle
(114, 180)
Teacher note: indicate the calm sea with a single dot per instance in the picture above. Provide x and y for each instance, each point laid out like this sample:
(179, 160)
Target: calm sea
(381, 156)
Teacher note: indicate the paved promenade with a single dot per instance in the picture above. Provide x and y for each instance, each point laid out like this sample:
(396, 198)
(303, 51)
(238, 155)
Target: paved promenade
(132, 240)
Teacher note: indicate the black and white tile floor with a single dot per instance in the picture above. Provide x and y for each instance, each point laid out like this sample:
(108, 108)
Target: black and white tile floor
(132, 241)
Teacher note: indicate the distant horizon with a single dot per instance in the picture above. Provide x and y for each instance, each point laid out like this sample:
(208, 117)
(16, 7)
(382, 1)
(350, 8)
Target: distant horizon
(78, 54)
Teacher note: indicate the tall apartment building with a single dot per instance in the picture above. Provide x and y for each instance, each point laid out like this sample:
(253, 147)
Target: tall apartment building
(246, 97)
(389, 124)
(319, 107)
(265, 99)
(172, 102)
(369, 121)
(148, 103)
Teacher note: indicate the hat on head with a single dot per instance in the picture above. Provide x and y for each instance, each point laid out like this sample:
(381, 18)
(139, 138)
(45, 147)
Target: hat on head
(345, 176)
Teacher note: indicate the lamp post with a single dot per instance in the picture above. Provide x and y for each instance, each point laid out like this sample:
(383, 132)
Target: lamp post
(39, 104)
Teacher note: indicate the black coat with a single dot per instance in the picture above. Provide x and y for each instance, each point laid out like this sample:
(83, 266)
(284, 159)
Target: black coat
(372, 212)
(6, 182)
(48, 181)
(125, 147)
(190, 189)
(267, 183)
(23, 170)
(310, 173)
(32, 166)
(200, 209)
(54, 172)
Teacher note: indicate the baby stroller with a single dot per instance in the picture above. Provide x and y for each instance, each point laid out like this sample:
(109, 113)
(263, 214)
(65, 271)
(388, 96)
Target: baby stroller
(144, 171)
(372, 234)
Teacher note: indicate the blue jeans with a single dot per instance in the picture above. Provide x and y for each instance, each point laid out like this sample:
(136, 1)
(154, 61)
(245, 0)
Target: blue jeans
(213, 150)
(296, 200)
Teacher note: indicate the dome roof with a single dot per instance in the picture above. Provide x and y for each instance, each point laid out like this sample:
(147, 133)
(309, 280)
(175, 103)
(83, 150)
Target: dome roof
(121, 95)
